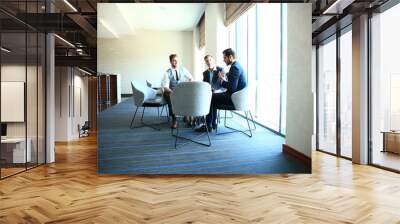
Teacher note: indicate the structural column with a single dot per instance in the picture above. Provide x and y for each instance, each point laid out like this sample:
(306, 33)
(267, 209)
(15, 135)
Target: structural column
(50, 92)
(360, 90)
(299, 105)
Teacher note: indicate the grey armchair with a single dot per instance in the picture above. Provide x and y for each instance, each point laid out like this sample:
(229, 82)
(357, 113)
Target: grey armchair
(240, 103)
(150, 85)
(144, 96)
(191, 99)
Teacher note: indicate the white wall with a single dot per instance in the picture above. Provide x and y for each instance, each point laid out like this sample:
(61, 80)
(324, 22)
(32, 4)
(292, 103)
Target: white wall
(33, 127)
(144, 56)
(70, 83)
(299, 113)
(16, 72)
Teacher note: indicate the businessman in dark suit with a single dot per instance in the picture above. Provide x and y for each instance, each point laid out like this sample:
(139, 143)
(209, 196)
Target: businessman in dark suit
(211, 75)
(236, 80)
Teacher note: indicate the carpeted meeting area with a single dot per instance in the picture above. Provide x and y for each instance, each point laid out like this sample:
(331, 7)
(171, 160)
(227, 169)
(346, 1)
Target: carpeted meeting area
(122, 150)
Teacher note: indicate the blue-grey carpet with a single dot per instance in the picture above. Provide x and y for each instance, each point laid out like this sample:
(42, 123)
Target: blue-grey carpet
(122, 150)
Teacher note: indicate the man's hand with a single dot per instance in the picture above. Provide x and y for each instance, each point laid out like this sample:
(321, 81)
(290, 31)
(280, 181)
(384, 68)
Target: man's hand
(221, 76)
(188, 78)
(167, 90)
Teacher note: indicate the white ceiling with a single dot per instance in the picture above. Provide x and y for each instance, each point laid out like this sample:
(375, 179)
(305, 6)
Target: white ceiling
(118, 19)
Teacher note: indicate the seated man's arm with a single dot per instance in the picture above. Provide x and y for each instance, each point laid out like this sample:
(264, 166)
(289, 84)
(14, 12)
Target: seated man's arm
(233, 80)
(216, 84)
(165, 83)
(187, 75)
(205, 76)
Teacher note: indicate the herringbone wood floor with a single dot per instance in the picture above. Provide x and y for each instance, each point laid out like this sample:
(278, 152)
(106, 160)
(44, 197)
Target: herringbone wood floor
(70, 191)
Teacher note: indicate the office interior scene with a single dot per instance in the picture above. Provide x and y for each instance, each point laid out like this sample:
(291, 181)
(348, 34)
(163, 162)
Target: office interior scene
(51, 85)
(26, 57)
(202, 93)
(340, 92)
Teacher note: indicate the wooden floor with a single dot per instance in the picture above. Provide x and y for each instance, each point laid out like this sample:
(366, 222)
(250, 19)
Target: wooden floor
(70, 191)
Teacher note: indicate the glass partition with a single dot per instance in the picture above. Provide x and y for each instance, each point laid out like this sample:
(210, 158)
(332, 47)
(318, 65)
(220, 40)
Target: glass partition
(13, 104)
(327, 96)
(22, 100)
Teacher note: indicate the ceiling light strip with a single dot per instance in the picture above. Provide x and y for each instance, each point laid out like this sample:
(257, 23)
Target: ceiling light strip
(70, 5)
(5, 50)
(84, 71)
(64, 40)
(331, 6)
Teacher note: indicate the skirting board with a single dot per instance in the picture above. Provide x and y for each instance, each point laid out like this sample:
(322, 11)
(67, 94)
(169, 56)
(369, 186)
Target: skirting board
(298, 155)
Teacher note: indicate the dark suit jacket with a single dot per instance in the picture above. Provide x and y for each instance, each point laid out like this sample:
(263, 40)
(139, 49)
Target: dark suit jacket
(215, 84)
(236, 79)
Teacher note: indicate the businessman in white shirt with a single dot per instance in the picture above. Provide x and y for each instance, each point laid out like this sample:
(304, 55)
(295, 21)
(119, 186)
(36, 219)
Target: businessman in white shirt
(174, 75)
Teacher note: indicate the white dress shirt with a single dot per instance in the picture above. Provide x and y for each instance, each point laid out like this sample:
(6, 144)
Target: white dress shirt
(185, 77)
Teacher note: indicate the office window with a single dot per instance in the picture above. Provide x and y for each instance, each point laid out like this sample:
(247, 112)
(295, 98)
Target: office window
(269, 66)
(242, 41)
(256, 37)
(385, 89)
(327, 96)
(346, 94)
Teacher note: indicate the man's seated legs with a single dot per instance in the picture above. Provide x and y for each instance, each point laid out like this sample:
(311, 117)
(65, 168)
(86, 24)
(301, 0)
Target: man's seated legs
(167, 97)
(218, 99)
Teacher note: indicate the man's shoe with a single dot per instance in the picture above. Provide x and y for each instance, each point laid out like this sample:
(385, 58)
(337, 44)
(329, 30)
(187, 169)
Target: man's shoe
(173, 124)
(214, 126)
(203, 129)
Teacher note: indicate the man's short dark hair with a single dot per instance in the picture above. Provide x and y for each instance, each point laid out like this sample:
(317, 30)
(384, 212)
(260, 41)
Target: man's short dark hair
(172, 56)
(207, 56)
(228, 52)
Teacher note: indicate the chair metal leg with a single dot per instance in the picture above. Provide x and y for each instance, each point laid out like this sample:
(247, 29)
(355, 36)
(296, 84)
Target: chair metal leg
(236, 130)
(225, 119)
(191, 139)
(158, 111)
(208, 134)
(252, 119)
(177, 133)
(248, 123)
(142, 114)
(231, 115)
(133, 119)
(162, 110)
(144, 124)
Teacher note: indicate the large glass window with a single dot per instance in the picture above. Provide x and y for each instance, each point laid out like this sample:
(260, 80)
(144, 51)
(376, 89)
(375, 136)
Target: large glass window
(346, 93)
(327, 96)
(256, 37)
(269, 68)
(331, 137)
(385, 89)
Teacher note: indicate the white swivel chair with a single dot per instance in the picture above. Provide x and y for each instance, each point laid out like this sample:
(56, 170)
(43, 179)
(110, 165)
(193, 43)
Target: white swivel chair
(191, 99)
(240, 103)
(144, 96)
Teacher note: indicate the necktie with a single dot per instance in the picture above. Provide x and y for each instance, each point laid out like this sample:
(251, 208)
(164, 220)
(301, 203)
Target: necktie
(176, 74)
